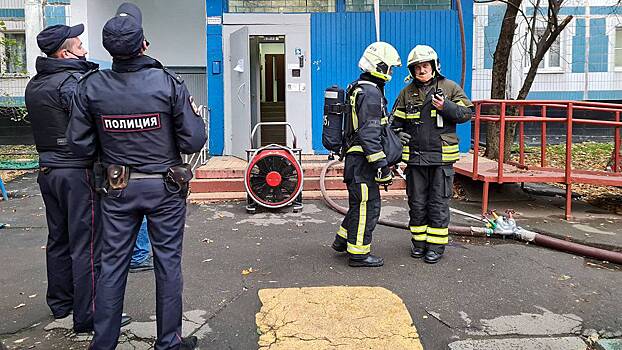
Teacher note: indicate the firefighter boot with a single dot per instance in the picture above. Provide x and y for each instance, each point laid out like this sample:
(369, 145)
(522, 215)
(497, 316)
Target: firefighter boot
(418, 249)
(434, 254)
(340, 244)
(367, 261)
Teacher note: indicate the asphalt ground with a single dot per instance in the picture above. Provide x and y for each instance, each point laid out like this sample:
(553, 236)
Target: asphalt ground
(483, 289)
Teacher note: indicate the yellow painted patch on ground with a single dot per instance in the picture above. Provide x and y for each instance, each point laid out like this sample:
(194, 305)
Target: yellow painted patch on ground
(341, 318)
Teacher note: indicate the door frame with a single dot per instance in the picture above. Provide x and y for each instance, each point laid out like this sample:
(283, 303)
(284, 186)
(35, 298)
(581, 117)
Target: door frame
(297, 31)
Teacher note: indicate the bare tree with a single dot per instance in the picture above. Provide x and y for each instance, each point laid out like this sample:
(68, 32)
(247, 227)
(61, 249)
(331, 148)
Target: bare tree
(543, 26)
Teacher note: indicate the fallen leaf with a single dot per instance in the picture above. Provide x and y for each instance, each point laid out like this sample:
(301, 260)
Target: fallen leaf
(20, 305)
(564, 277)
(247, 271)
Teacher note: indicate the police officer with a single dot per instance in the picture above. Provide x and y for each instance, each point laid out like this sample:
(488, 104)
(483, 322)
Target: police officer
(65, 179)
(140, 116)
(365, 166)
(426, 114)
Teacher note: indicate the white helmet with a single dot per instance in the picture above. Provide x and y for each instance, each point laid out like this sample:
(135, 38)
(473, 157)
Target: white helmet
(378, 59)
(423, 53)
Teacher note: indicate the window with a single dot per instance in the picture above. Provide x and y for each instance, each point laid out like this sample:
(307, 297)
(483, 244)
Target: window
(14, 55)
(552, 59)
(398, 5)
(281, 6)
(618, 48)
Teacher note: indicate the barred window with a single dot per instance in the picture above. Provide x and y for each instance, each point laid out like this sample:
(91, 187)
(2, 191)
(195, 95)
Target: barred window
(14, 46)
(281, 6)
(397, 5)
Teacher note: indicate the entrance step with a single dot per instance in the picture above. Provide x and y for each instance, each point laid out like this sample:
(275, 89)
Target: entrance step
(237, 184)
(222, 179)
(216, 197)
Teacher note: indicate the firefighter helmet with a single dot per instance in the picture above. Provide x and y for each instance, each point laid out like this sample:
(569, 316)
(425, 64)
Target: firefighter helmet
(378, 59)
(423, 53)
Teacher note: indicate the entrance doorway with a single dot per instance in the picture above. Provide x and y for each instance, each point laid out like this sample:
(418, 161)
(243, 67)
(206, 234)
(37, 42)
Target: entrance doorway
(272, 88)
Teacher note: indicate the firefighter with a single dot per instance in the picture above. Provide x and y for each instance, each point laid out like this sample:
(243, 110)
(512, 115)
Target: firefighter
(426, 113)
(365, 165)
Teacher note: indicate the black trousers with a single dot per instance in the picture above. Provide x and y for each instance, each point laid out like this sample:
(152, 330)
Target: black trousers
(122, 215)
(72, 251)
(429, 189)
(364, 206)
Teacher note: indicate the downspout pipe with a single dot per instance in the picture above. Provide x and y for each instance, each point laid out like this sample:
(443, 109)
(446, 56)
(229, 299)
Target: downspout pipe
(518, 233)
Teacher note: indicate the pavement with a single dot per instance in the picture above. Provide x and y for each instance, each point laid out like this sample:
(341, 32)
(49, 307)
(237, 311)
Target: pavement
(484, 294)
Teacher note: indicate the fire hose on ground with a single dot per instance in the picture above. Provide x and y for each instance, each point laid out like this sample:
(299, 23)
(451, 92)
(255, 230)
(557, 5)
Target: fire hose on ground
(499, 226)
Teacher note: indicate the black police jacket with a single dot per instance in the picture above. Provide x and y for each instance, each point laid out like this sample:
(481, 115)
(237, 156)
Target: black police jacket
(136, 114)
(363, 128)
(433, 133)
(48, 100)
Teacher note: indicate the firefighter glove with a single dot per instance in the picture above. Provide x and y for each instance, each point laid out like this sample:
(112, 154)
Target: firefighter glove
(384, 176)
(404, 137)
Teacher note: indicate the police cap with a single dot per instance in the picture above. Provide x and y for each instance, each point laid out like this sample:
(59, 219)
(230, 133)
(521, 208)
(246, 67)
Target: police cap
(123, 34)
(53, 37)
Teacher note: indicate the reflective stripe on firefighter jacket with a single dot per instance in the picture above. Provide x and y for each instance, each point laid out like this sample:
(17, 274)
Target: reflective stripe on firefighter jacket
(368, 114)
(433, 133)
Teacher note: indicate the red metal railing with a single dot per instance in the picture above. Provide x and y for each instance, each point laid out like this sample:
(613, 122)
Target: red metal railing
(544, 108)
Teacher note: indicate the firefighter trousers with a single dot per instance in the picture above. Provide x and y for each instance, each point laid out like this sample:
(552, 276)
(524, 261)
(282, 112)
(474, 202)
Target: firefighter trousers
(429, 189)
(361, 219)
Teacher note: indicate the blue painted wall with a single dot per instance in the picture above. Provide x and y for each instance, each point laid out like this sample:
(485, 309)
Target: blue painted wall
(335, 61)
(337, 41)
(215, 83)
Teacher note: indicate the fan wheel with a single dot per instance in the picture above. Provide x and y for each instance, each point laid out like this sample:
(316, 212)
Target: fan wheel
(273, 178)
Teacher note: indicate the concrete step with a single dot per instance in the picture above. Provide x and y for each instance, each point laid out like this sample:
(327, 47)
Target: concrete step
(237, 184)
(216, 197)
(310, 169)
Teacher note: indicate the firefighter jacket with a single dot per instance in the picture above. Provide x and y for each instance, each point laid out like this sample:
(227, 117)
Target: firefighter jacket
(368, 113)
(433, 133)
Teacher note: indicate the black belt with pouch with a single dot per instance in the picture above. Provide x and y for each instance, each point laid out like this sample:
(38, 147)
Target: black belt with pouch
(177, 178)
(118, 176)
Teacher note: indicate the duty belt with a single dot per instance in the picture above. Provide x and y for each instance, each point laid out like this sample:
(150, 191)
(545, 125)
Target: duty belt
(136, 175)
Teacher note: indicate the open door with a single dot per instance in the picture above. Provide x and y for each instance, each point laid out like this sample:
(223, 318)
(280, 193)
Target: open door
(240, 92)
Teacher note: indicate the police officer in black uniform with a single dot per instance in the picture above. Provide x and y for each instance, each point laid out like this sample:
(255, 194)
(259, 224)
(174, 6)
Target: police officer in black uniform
(65, 179)
(140, 117)
(426, 113)
(366, 167)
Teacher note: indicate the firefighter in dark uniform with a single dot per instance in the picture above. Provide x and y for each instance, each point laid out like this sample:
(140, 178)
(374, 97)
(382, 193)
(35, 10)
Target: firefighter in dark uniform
(65, 179)
(139, 116)
(426, 114)
(365, 166)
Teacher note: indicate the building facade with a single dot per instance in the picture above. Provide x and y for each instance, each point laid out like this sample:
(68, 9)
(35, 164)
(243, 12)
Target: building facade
(270, 60)
(253, 61)
(584, 63)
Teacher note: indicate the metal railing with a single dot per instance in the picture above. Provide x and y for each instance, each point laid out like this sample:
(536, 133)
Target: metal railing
(538, 111)
(200, 158)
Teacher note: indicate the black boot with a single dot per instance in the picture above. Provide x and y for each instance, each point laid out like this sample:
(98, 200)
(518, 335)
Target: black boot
(340, 245)
(434, 254)
(368, 261)
(188, 343)
(418, 249)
